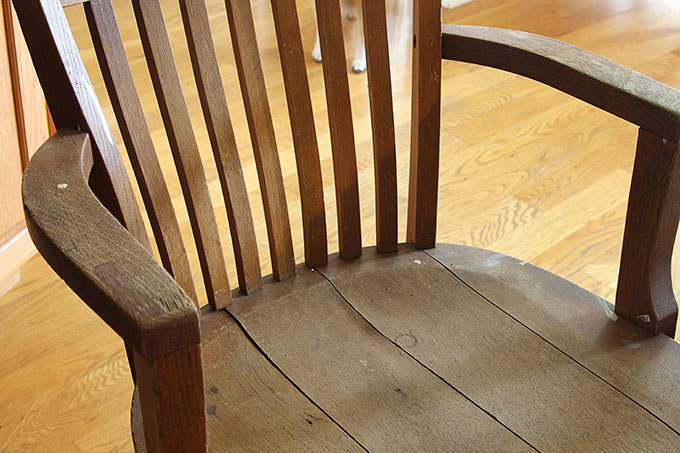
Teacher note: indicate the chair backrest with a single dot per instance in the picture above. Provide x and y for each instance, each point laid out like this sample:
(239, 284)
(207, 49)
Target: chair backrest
(74, 105)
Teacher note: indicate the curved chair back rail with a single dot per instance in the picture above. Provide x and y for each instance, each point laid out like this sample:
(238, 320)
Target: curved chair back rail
(79, 200)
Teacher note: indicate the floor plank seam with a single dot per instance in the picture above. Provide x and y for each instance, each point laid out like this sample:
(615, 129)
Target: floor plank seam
(279, 370)
(553, 345)
(474, 403)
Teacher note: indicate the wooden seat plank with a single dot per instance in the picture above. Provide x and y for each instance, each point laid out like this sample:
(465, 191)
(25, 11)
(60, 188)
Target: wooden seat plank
(378, 394)
(250, 405)
(643, 366)
(536, 390)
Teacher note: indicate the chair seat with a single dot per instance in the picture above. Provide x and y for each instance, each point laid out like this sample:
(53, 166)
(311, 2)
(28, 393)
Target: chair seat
(449, 349)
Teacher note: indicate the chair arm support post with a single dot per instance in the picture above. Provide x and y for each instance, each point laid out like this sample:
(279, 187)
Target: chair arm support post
(645, 292)
(599, 81)
(172, 400)
(97, 257)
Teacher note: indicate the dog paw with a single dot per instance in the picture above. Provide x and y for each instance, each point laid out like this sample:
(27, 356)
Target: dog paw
(359, 66)
(450, 4)
(316, 55)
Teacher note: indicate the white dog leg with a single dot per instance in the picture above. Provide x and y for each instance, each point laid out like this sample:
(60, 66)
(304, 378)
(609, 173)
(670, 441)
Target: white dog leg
(316, 53)
(450, 4)
(359, 63)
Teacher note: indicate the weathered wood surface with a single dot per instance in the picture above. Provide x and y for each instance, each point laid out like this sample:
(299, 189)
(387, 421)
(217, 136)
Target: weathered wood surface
(645, 291)
(600, 81)
(185, 151)
(537, 391)
(258, 112)
(250, 405)
(115, 69)
(582, 325)
(97, 257)
(378, 394)
(341, 127)
(421, 228)
(306, 145)
(223, 141)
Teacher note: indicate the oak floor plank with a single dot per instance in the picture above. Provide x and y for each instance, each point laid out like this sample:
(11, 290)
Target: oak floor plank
(536, 390)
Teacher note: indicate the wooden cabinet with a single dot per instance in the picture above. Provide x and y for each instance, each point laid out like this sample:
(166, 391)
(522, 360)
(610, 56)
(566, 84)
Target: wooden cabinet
(23, 127)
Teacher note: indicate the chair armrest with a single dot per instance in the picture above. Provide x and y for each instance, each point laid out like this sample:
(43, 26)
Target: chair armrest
(97, 257)
(582, 74)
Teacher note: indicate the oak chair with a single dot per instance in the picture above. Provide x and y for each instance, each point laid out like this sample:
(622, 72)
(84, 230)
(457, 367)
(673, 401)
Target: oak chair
(392, 347)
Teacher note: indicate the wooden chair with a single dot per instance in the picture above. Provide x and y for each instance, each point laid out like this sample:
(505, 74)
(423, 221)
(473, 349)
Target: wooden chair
(397, 347)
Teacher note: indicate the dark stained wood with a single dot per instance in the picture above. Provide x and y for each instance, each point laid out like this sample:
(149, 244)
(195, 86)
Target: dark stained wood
(382, 123)
(8, 21)
(585, 75)
(97, 257)
(172, 400)
(115, 70)
(216, 113)
(534, 389)
(250, 405)
(185, 152)
(304, 132)
(425, 120)
(379, 395)
(644, 293)
(643, 366)
(329, 20)
(262, 136)
(74, 105)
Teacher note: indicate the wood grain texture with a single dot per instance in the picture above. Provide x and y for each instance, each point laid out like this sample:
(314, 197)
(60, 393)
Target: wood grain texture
(645, 291)
(250, 405)
(121, 89)
(382, 123)
(262, 136)
(167, 85)
(585, 75)
(379, 395)
(304, 133)
(172, 401)
(425, 121)
(74, 104)
(329, 20)
(97, 257)
(15, 78)
(584, 326)
(529, 147)
(534, 389)
(218, 122)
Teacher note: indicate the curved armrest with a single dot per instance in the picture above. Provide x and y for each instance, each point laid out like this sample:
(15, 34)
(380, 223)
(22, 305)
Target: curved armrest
(582, 74)
(97, 257)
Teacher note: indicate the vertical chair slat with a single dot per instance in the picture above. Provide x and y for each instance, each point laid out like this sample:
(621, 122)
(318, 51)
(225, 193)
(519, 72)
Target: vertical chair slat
(220, 130)
(382, 123)
(304, 132)
(74, 105)
(329, 20)
(115, 69)
(644, 293)
(184, 148)
(425, 121)
(262, 136)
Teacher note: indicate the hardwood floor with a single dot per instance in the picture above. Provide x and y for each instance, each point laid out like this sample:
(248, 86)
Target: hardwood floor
(525, 171)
